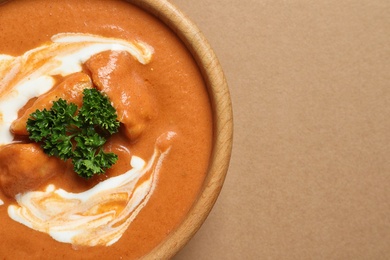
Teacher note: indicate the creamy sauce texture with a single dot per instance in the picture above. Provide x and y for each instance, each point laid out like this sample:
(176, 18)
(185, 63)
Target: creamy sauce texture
(46, 211)
(84, 219)
(31, 74)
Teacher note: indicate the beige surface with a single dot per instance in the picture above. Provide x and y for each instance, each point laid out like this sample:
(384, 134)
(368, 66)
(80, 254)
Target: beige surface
(310, 173)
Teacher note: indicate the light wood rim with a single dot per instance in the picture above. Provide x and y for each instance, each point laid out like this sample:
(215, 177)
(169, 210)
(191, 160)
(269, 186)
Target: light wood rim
(223, 122)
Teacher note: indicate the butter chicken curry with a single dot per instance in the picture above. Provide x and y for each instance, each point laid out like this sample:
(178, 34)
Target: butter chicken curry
(57, 51)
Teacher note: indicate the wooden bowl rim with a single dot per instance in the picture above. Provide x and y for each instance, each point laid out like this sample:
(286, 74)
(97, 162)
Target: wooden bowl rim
(220, 100)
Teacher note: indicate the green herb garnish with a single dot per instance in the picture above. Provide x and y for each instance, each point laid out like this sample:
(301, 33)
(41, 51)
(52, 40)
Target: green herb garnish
(67, 132)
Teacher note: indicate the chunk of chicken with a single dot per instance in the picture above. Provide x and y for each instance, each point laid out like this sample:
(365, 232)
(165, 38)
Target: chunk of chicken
(25, 167)
(70, 89)
(117, 74)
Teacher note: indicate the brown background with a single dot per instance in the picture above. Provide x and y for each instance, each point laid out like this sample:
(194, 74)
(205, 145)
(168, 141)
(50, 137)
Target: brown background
(310, 170)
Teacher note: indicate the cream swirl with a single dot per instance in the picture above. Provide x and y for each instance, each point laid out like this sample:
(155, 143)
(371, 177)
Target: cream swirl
(98, 216)
(31, 74)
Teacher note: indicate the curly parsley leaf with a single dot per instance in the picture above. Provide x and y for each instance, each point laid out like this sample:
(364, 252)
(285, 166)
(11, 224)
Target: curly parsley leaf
(98, 111)
(79, 135)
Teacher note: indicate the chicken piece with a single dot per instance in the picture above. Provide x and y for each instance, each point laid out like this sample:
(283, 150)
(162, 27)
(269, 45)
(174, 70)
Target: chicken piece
(70, 89)
(116, 74)
(25, 167)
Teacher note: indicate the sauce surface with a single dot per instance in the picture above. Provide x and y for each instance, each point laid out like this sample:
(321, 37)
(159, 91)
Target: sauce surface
(177, 103)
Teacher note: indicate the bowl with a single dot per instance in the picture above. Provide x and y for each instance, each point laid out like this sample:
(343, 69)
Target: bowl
(219, 97)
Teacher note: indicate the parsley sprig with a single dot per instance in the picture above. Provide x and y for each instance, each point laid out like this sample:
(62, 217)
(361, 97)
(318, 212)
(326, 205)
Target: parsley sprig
(67, 132)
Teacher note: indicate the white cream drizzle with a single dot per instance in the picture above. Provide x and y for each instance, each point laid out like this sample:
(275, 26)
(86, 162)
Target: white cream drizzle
(31, 74)
(98, 216)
